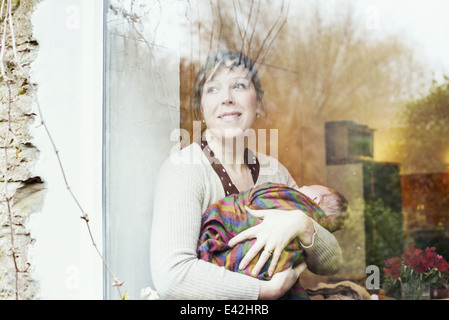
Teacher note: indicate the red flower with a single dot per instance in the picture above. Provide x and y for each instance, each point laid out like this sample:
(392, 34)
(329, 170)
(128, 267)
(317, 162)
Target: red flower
(419, 261)
(429, 257)
(419, 265)
(442, 265)
(409, 256)
(393, 267)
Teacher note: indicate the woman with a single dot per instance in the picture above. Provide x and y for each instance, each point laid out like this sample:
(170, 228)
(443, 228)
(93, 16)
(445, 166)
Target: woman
(228, 95)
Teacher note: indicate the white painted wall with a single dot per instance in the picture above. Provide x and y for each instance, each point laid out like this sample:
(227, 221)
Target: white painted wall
(68, 72)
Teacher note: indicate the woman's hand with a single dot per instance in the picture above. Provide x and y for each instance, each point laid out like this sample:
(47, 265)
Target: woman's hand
(273, 234)
(280, 283)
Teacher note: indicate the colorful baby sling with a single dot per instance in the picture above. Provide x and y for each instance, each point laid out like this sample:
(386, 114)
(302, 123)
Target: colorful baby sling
(227, 217)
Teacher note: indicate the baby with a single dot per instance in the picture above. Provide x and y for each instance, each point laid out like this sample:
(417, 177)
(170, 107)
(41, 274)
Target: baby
(332, 202)
(227, 217)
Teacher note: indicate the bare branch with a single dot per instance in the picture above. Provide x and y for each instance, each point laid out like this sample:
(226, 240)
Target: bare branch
(254, 29)
(284, 20)
(213, 28)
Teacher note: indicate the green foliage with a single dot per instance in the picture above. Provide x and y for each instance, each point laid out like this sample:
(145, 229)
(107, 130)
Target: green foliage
(423, 143)
(384, 237)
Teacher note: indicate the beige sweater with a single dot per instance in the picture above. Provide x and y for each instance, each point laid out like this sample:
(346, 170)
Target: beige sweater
(186, 186)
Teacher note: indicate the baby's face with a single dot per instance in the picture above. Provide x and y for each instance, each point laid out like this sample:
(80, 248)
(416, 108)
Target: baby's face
(314, 192)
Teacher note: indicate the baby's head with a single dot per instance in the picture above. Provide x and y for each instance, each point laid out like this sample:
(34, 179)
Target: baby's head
(332, 202)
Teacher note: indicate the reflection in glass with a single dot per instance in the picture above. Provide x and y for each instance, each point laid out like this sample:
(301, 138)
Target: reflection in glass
(388, 151)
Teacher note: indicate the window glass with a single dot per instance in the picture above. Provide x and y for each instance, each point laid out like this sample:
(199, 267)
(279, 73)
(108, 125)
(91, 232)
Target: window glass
(141, 111)
(350, 102)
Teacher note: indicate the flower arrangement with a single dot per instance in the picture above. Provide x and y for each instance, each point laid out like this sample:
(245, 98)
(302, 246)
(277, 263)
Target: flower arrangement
(414, 271)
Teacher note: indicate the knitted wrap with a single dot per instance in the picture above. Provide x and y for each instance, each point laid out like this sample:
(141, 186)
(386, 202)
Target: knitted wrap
(227, 217)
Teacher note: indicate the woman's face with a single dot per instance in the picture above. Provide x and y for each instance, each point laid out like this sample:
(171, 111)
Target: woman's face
(229, 102)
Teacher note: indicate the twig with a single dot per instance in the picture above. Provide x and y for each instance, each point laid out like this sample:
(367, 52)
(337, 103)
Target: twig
(221, 23)
(269, 33)
(247, 26)
(236, 19)
(254, 29)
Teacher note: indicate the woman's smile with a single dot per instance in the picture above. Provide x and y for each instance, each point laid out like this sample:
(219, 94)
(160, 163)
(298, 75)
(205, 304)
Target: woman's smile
(230, 116)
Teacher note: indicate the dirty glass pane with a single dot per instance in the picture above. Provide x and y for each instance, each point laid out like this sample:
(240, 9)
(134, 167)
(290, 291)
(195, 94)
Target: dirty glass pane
(141, 110)
(352, 101)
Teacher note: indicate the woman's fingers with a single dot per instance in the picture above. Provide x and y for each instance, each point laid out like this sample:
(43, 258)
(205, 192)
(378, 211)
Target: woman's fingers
(244, 235)
(274, 233)
(252, 252)
(274, 261)
(264, 256)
